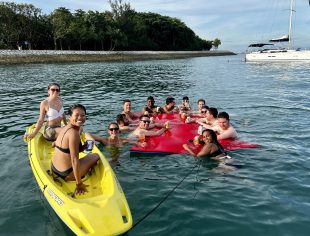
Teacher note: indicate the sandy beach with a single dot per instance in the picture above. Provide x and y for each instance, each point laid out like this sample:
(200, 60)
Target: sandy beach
(49, 56)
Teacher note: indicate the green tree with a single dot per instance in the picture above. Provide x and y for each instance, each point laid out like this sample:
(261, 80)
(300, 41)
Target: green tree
(61, 19)
(216, 43)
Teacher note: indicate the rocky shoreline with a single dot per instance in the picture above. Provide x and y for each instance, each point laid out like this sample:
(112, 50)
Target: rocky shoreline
(57, 56)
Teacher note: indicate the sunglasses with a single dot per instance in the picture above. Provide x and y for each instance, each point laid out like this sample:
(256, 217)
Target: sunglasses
(115, 129)
(203, 111)
(146, 121)
(55, 90)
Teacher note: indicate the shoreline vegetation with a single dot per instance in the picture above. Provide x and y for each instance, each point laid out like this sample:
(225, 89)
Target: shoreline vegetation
(62, 56)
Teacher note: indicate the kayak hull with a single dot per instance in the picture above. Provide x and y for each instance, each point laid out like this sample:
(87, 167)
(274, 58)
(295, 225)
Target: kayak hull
(103, 210)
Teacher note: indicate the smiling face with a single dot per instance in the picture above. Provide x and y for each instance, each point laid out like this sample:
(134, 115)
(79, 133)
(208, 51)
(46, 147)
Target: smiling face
(223, 123)
(204, 112)
(207, 137)
(78, 117)
(144, 123)
(200, 105)
(127, 106)
(150, 103)
(113, 129)
(53, 91)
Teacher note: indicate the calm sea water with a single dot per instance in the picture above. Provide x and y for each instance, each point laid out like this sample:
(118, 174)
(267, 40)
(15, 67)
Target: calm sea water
(269, 105)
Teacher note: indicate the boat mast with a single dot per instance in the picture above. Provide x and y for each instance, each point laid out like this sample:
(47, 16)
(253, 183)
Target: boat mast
(290, 26)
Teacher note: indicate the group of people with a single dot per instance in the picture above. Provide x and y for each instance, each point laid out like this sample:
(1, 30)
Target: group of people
(66, 139)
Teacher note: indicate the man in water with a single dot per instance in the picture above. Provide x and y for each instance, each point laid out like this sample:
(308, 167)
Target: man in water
(210, 118)
(170, 106)
(143, 131)
(224, 129)
(150, 107)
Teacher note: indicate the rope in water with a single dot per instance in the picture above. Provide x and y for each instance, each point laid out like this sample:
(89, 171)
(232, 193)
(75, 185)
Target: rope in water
(165, 197)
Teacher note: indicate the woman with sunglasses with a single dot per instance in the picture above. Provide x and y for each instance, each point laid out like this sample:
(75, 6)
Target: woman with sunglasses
(52, 108)
(113, 142)
(212, 148)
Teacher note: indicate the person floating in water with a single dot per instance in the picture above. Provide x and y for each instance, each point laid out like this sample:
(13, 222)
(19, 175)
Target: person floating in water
(113, 142)
(224, 129)
(211, 148)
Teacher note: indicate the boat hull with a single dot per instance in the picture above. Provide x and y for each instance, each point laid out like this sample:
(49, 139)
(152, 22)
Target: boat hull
(278, 55)
(103, 210)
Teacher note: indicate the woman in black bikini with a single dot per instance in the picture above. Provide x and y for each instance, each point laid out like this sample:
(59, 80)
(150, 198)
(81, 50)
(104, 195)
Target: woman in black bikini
(212, 148)
(65, 162)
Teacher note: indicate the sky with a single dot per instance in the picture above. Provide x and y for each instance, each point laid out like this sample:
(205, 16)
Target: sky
(237, 23)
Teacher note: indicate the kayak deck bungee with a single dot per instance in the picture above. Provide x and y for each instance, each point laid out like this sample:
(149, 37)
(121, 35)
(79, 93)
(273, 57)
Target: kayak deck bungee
(171, 142)
(103, 210)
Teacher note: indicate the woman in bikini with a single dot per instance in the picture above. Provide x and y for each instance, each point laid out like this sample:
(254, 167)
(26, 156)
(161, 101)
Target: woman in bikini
(52, 108)
(65, 161)
(212, 148)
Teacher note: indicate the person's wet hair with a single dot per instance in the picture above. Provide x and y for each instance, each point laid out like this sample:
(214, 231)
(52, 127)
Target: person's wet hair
(53, 84)
(75, 106)
(113, 123)
(224, 115)
(126, 100)
(201, 100)
(169, 100)
(150, 98)
(213, 111)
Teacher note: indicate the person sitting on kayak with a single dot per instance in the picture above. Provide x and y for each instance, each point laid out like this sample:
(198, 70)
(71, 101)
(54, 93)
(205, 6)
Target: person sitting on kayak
(52, 107)
(65, 161)
(224, 129)
(143, 131)
(123, 123)
(131, 117)
(170, 106)
(212, 148)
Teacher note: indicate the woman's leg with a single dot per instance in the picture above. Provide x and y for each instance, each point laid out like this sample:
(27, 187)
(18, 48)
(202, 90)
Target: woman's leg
(85, 164)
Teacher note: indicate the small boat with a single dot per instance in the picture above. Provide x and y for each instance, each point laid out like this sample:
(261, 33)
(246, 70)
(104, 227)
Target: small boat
(260, 52)
(103, 210)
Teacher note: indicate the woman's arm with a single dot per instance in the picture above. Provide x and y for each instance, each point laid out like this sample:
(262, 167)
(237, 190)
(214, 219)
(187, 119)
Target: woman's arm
(74, 141)
(206, 150)
(40, 120)
(187, 148)
(98, 138)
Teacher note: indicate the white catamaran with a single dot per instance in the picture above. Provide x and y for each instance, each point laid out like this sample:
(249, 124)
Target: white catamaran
(267, 51)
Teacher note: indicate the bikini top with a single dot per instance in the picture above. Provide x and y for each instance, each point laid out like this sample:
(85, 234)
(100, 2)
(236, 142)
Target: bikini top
(52, 113)
(67, 150)
(217, 152)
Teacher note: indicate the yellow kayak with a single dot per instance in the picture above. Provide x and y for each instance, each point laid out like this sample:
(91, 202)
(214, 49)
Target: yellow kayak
(103, 210)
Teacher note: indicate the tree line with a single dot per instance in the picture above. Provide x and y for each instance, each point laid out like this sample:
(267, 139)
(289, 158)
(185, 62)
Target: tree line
(121, 28)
